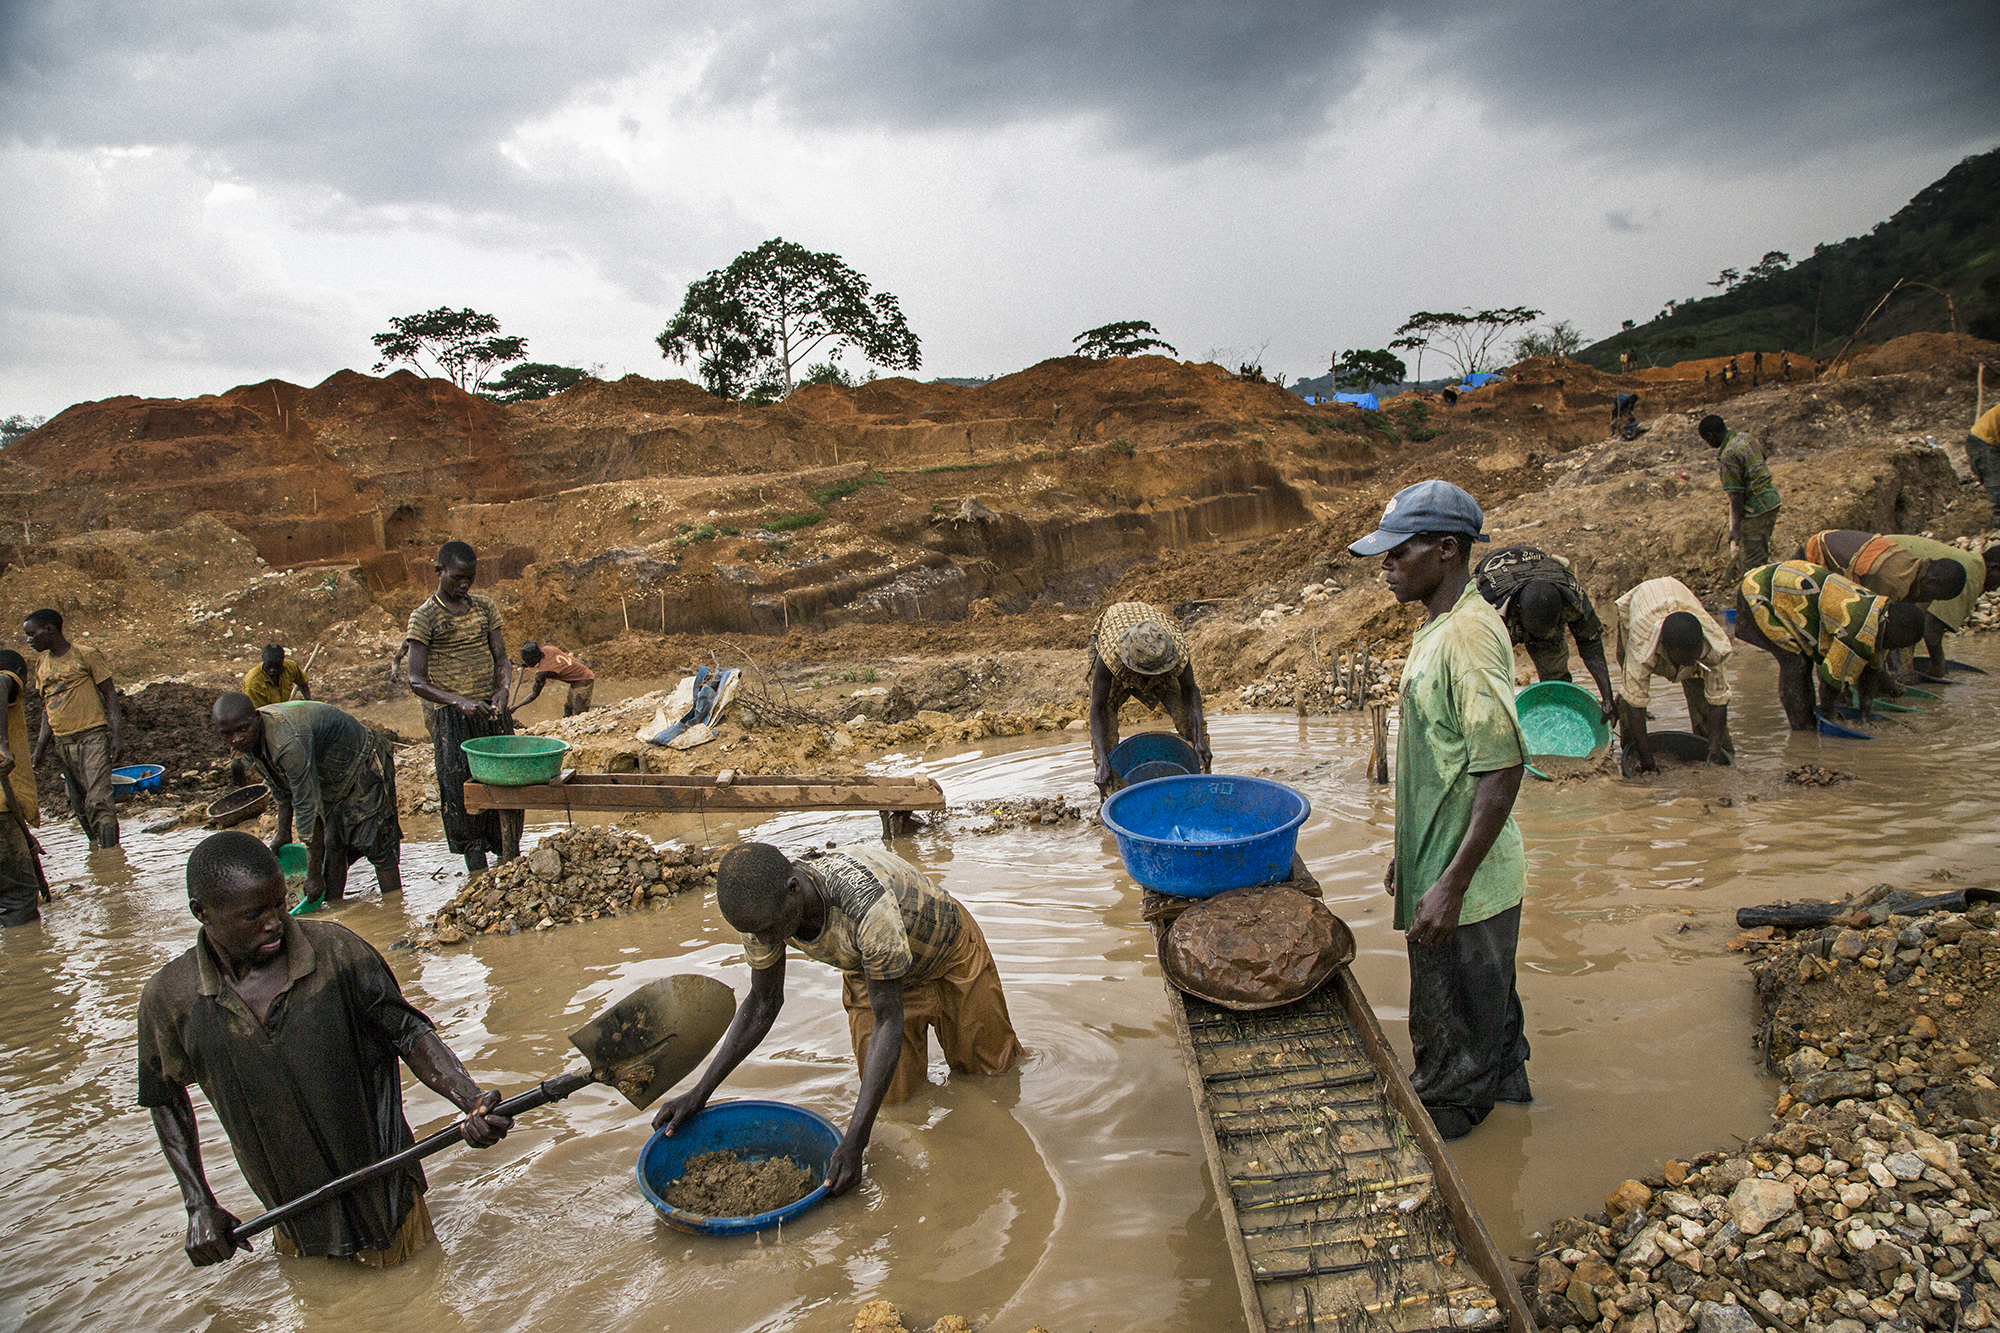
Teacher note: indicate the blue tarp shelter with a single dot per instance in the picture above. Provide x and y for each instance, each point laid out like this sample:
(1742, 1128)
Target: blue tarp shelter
(1480, 380)
(1363, 400)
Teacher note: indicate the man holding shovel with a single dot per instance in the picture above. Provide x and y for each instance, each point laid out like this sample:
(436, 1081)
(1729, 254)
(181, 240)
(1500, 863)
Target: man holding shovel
(22, 887)
(293, 1029)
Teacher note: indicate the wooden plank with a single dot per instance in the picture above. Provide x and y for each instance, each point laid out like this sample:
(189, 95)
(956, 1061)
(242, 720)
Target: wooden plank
(1479, 1245)
(582, 793)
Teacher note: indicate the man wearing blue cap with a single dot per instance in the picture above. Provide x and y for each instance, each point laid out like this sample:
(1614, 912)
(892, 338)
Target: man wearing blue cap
(1459, 872)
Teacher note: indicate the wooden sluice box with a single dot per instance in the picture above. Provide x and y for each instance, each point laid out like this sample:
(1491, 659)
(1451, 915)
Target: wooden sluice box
(1341, 1205)
(726, 792)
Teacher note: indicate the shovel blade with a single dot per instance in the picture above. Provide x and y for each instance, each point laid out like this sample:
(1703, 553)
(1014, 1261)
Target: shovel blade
(653, 1038)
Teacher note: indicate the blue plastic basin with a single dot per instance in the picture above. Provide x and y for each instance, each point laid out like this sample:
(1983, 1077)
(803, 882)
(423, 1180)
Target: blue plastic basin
(1152, 747)
(139, 777)
(1201, 835)
(755, 1131)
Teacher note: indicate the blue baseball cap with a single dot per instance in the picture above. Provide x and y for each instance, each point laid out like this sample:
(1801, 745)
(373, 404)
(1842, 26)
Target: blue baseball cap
(1428, 506)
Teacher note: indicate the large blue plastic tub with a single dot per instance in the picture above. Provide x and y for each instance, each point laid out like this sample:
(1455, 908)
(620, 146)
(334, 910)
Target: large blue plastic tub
(1152, 747)
(137, 777)
(1201, 835)
(754, 1131)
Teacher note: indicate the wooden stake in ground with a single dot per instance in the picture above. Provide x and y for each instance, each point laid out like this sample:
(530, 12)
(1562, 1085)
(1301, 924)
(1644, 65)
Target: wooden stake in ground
(1378, 759)
(626, 612)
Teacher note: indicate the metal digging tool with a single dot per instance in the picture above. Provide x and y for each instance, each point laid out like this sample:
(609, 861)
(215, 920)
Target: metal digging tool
(642, 1045)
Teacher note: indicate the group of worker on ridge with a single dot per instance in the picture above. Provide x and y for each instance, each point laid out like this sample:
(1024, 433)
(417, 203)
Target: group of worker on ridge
(294, 1028)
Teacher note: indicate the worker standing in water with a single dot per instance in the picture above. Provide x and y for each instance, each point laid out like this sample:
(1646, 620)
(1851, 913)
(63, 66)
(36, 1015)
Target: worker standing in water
(1459, 872)
(1138, 652)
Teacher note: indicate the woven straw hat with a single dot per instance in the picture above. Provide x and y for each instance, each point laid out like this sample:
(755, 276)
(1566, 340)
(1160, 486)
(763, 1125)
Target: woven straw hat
(1148, 649)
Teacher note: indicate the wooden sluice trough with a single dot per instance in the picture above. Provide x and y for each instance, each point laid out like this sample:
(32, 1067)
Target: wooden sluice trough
(1342, 1208)
(726, 792)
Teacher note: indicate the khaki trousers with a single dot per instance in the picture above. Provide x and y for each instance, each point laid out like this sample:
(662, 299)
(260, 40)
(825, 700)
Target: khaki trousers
(963, 1002)
(85, 760)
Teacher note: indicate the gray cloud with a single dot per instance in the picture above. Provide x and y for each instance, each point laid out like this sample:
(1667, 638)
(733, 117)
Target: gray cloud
(1622, 219)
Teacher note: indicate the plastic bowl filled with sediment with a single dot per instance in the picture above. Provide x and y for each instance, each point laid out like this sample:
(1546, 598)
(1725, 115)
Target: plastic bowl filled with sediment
(514, 761)
(1201, 835)
(137, 777)
(758, 1133)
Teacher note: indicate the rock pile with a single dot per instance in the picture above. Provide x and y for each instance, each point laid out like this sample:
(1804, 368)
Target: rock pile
(882, 1317)
(576, 875)
(1874, 1201)
(1006, 814)
(1815, 775)
(1336, 687)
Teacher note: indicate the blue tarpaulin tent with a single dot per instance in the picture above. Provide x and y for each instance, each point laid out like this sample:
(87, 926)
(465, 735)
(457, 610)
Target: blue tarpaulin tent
(1480, 380)
(1364, 400)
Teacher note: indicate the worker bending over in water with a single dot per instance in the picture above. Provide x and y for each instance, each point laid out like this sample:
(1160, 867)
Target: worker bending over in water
(1665, 633)
(1138, 652)
(1945, 581)
(332, 779)
(1811, 619)
(1538, 597)
(1459, 872)
(911, 956)
(293, 1029)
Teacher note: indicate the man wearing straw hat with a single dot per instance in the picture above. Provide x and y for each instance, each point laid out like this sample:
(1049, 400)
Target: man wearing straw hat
(1459, 872)
(1138, 652)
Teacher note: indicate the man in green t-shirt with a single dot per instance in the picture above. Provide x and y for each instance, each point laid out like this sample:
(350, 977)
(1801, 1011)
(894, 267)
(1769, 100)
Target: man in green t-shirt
(1753, 496)
(1459, 872)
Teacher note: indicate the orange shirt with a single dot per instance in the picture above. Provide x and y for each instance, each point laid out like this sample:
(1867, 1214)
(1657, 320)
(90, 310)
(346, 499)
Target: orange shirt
(565, 668)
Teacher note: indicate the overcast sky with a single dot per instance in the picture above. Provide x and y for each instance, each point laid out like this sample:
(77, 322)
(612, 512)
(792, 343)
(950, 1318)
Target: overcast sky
(201, 193)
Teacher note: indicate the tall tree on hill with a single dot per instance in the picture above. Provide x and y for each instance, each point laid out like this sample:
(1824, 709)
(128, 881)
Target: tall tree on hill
(1467, 338)
(531, 380)
(749, 324)
(1127, 337)
(1561, 338)
(465, 345)
(1360, 369)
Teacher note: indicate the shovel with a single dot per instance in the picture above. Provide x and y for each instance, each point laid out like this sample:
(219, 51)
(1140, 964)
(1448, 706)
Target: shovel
(642, 1045)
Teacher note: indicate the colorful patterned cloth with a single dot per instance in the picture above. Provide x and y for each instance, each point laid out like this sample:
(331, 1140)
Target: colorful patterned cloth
(1810, 610)
(1878, 563)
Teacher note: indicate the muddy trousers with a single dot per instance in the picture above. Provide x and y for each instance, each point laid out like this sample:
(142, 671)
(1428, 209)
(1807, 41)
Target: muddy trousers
(85, 760)
(963, 1002)
(579, 699)
(1757, 530)
(1985, 460)
(1466, 1026)
(20, 886)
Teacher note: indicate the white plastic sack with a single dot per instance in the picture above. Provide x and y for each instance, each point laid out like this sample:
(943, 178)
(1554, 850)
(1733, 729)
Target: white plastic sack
(670, 712)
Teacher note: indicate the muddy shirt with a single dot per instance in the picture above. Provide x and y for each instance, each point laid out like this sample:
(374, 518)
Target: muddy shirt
(263, 691)
(1876, 563)
(565, 667)
(884, 917)
(68, 686)
(1745, 473)
(1987, 428)
(1951, 610)
(1810, 610)
(1456, 721)
(317, 759)
(1503, 574)
(309, 1094)
(1641, 612)
(21, 782)
(461, 652)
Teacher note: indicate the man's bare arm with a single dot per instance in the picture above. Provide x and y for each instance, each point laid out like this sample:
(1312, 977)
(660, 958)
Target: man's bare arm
(209, 1223)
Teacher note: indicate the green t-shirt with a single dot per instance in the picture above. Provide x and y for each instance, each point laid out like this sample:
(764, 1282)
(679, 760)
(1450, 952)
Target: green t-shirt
(1457, 721)
(1952, 610)
(1745, 473)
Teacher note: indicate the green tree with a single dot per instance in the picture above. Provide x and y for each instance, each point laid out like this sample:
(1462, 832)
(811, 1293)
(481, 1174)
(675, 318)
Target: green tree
(1360, 369)
(1128, 337)
(464, 344)
(14, 427)
(531, 380)
(749, 324)
(1562, 338)
(1466, 338)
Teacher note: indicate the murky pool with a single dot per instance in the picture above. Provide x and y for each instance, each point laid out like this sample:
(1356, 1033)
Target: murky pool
(1072, 1191)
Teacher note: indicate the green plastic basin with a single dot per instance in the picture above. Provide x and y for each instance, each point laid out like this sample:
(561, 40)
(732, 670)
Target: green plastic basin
(292, 859)
(1560, 718)
(514, 761)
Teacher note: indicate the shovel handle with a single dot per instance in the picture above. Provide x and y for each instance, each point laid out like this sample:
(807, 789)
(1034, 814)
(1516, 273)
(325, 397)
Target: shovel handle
(549, 1090)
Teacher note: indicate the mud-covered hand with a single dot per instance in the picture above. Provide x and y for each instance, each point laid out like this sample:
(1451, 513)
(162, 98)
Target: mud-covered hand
(676, 1113)
(1389, 878)
(483, 1129)
(1647, 764)
(1608, 711)
(474, 707)
(209, 1240)
(843, 1169)
(1437, 914)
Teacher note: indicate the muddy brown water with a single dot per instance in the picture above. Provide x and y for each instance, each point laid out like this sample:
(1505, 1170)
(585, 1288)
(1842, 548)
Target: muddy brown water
(1072, 1191)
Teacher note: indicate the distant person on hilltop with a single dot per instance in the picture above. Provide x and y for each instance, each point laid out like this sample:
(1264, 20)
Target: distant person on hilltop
(1785, 366)
(1753, 496)
(274, 678)
(460, 668)
(1982, 450)
(1538, 598)
(80, 718)
(1625, 416)
(551, 663)
(1459, 871)
(1138, 652)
